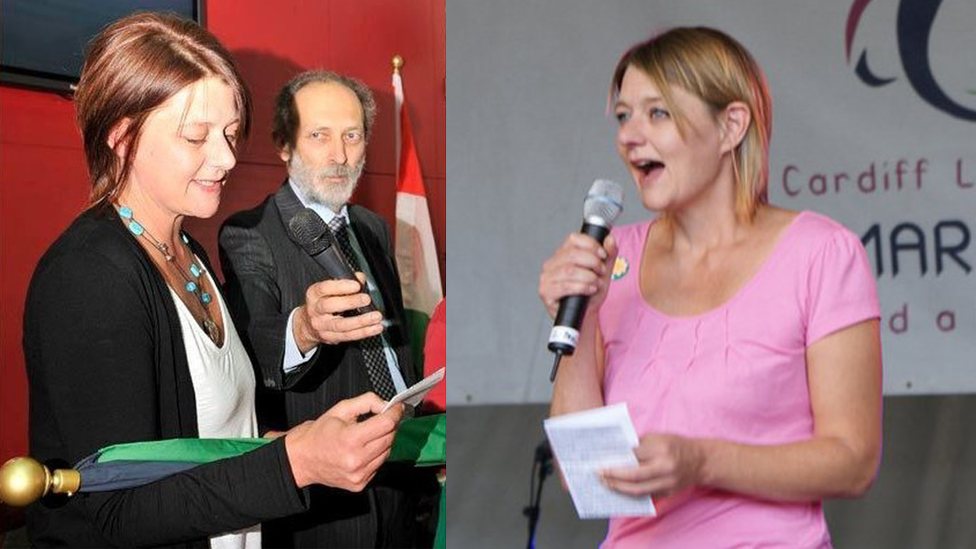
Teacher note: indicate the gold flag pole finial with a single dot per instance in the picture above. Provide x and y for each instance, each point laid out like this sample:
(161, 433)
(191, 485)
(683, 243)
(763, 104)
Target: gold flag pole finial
(24, 480)
(397, 63)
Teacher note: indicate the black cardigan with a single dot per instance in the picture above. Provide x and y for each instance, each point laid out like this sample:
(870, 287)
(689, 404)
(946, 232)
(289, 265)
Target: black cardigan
(106, 364)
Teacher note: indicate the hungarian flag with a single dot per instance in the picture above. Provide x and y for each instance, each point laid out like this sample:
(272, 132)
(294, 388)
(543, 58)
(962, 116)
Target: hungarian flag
(416, 255)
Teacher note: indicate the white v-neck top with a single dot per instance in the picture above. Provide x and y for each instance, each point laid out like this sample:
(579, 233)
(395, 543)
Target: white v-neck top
(223, 382)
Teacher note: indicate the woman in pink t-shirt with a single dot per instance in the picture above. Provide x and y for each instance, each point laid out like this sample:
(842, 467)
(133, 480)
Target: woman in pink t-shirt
(742, 337)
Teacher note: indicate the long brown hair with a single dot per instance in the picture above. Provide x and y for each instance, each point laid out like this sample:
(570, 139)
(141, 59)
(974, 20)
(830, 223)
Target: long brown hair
(719, 70)
(132, 67)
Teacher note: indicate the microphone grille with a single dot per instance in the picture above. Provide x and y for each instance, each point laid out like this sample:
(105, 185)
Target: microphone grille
(308, 230)
(604, 202)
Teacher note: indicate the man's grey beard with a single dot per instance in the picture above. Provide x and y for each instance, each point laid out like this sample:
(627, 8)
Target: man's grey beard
(316, 189)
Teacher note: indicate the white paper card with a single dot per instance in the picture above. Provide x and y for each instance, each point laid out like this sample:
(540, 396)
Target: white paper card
(587, 442)
(414, 394)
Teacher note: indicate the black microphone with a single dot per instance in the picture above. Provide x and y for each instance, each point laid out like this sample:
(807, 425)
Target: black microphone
(602, 206)
(310, 232)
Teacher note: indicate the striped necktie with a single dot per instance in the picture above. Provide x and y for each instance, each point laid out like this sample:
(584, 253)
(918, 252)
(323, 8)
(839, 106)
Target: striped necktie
(372, 347)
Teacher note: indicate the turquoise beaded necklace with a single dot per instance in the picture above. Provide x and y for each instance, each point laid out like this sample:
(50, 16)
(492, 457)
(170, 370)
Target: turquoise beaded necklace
(191, 279)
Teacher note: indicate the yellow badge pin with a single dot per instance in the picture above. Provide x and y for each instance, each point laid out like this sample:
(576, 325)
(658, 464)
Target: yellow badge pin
(620, 268)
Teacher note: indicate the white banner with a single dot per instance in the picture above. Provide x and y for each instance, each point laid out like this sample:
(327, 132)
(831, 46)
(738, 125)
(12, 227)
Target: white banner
(876, 126)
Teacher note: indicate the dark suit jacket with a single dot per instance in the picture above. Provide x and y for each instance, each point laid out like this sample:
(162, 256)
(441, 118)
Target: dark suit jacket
(106, 364)
(267, 275)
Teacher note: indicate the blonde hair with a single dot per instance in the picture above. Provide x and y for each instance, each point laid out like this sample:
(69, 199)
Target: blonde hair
(132, 67)
(718, 70)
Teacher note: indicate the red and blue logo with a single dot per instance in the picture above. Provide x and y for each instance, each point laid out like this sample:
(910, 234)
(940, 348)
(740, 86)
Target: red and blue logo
(914, 31)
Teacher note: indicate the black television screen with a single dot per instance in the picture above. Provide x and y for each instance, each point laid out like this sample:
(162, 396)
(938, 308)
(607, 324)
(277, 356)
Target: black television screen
(43, 42)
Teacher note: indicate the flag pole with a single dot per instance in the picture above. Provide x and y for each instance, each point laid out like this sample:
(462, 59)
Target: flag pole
(24, 480)
(397, 63)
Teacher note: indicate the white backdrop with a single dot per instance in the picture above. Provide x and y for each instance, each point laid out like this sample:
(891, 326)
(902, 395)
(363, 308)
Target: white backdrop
(527, 129)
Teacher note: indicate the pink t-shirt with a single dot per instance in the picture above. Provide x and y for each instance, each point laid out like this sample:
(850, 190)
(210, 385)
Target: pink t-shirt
(737, 372)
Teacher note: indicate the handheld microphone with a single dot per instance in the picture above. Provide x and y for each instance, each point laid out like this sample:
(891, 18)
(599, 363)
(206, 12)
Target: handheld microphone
(310, 232)
(602, 206)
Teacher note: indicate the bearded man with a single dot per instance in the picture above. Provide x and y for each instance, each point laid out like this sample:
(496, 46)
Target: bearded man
(309, 346)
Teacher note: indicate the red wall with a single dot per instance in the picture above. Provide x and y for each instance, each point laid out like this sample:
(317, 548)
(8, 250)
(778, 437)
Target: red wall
(43, 182)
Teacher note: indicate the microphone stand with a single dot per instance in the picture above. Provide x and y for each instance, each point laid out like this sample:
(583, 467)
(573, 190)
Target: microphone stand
(541, 467)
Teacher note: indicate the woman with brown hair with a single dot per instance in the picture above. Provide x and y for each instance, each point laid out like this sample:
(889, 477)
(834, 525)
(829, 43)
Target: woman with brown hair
(126, 334)
(742, 337)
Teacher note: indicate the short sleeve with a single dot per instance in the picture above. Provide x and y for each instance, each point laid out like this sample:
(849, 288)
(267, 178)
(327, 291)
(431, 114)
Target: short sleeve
(841, 287)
